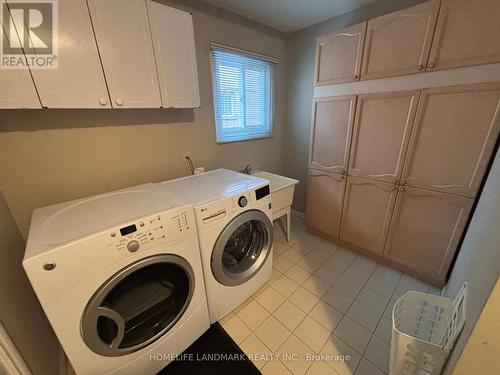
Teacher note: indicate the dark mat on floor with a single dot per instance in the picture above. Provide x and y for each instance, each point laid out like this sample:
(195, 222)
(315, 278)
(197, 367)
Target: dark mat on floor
(203, 357)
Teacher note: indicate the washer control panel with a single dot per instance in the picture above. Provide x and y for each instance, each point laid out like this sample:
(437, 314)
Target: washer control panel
(149, 231)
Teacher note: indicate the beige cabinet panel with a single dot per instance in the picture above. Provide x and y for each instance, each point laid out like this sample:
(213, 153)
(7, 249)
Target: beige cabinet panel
(453, 137)
(17, 89)
(466, 34)
(325, 193)
(331, 133)
(382, 128)
(173, 39)
(338, 55)
(78, 82)
(124, 40)
(367, 213)
(399, 42)
(426, 229)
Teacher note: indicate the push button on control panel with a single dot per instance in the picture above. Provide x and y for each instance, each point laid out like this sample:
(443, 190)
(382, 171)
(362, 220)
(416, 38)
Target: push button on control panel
(133, 246)
(242, 201)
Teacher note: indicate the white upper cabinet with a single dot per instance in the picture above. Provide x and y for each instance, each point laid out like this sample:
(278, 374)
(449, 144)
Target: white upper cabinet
(78, 82)
(175, 54)
(16, 87)
(124, 40)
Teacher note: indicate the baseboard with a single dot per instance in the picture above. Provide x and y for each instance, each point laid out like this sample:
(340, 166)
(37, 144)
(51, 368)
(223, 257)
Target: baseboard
(298, 213)
(11, 361)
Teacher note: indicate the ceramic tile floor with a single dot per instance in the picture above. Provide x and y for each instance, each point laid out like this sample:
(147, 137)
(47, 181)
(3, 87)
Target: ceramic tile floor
(321, 301)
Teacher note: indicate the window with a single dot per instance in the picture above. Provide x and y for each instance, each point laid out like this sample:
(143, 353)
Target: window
(243, 94)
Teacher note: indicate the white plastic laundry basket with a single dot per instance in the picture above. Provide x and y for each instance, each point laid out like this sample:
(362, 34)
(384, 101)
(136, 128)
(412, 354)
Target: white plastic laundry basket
(424, 330)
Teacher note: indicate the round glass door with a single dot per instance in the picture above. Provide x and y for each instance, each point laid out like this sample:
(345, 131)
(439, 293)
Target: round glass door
(138, 305)
(242, 248)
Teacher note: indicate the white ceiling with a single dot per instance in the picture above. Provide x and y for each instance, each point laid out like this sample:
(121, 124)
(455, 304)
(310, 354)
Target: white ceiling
(288, 15)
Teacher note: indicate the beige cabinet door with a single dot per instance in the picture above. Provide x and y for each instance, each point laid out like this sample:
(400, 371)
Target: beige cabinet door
(466, 34)
(17, 89)
(426, 229)
(382, 128)
(453, 137)
(338, 55)
(325, 194)
(78, 81)
(399, 43)
(331, 133)
(173, 39)
(367, 213)
(124, 39)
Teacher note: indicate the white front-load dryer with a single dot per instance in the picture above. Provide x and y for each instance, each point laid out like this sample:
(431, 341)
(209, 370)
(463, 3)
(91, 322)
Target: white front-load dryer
(119, 277)
(234, 220)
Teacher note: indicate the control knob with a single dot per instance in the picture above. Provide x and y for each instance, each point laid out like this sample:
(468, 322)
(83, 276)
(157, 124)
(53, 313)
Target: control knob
(133, 246)
(242, 201)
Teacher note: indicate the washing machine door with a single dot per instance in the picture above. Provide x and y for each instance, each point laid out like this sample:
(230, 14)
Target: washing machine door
(138, 305)
(242, 248)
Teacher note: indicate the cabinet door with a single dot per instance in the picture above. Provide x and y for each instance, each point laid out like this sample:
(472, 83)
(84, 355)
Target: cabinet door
(78, 82)
(400, 42)
(124, 40)
(338, 55)
(16, 89)
(426, 229)
(453, 137)
(367, 212)
(331, 133)
(325, 193)
(382, 128)
(466, 34)
(175, 54)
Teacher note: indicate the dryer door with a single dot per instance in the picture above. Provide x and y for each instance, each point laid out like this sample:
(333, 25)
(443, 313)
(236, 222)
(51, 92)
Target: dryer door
(138, 305)
(242, 248)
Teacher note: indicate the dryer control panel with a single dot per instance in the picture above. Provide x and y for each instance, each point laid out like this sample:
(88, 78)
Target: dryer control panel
(149, 231)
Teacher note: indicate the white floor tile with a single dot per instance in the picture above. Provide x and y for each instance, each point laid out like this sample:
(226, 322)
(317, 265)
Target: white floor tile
(253, 314)
(256, 351)
(337, 299)
(384, 329)
(292, 255)
(374, 300)
(327, 274)
(289, 315)
(364, 315)
(349, 286)
(312, 333)
(344, 256)
(321, 368)
(322, 252)
(387, 273)
(343, 358)
(353, 334)
(282, 264)
(434, 291)
(381, 286)
(337, 263)
(272, 333)
(304, 246)
(367, 368)
(279, 248)
(236, 329)
(410, 283)
(364, 264)
(270, 299)
(378, 352)
(293, 353)
(304, 299)
(275, 367)
(316, 286)
(357, 274)
(309, 264)
(242, 305)
(275, 274)
(326, 315)
(298, 274)
(285, 286)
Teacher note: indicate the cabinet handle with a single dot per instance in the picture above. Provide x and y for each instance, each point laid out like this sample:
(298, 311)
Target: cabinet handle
(420, 67)
(403, 182)
(432, 65)
(119, 102)
(355, 76)
(342, 177)
(402, 189)
(103, 101)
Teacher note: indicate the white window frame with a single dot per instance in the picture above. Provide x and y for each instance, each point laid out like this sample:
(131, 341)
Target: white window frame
(221, 139)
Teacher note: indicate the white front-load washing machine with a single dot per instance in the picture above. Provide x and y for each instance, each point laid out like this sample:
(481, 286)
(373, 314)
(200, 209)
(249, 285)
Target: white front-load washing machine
(234, 220)
(119, 277)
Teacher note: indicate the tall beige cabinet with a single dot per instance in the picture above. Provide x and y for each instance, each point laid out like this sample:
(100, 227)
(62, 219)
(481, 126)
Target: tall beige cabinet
(395, 174)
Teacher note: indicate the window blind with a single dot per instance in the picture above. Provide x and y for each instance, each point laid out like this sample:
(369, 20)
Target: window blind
(243, 95)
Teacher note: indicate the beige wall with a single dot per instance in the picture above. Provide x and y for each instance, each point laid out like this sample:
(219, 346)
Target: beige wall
(20, 312)
(479, 259)
(300, 85)
(50, 156)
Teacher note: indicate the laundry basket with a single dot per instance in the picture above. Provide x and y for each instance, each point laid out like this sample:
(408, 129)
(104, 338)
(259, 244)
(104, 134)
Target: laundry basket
(424, 330)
